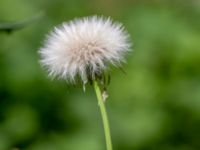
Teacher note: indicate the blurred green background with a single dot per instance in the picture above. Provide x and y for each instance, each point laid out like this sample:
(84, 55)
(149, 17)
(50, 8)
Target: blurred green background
(156, 106)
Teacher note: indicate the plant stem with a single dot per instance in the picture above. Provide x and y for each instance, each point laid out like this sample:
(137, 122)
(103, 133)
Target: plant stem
(104, 116)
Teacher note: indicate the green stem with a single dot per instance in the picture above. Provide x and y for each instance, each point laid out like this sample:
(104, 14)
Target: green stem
(104, 116)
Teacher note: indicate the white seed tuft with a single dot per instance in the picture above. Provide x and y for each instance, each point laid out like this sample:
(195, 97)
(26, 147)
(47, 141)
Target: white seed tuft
(83, 48)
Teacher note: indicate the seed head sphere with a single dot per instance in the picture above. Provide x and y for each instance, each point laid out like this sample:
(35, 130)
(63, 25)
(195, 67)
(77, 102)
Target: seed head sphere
(84, 48)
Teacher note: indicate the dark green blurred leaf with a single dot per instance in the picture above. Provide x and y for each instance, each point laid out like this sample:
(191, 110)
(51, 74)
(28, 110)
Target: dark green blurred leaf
(11, 26)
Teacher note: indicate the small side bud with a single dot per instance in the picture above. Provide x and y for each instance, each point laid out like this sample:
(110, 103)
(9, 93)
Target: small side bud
(104, 95)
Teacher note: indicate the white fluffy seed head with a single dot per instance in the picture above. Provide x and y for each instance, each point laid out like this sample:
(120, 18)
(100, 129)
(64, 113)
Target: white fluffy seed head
(83, 48)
